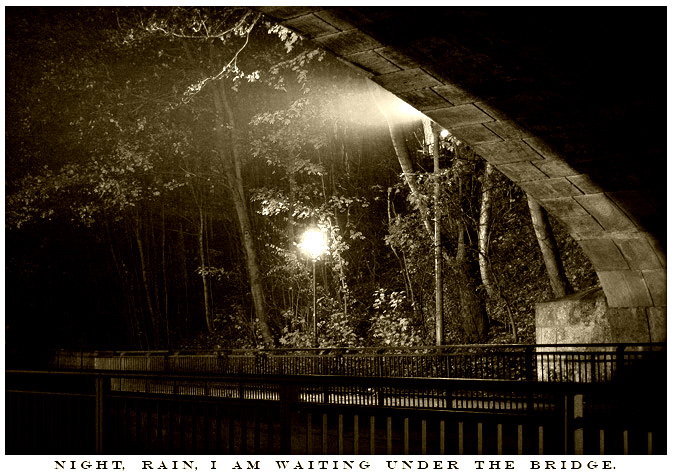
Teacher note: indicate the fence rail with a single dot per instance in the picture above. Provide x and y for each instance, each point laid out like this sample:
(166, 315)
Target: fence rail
(466, 400)
(82, 411)
(588, 363)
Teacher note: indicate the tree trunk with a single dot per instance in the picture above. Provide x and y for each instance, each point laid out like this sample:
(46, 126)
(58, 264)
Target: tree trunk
(402, 152)
(292, 183)
(204, 269)
(473, 315)
(431, 133)
(484, 230)
(146, 282)
(183, 311)
(550, 253)
(228, 149)
(164, 273)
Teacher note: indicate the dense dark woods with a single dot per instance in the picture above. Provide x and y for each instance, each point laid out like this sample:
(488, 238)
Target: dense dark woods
(163, 164)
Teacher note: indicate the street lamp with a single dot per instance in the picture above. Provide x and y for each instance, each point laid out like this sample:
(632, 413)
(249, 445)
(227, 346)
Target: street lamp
(313, 244)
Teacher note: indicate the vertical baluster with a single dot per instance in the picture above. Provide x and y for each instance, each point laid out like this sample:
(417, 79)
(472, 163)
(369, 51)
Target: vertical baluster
(442, 437)
(309, 434)
(389, 435)
(649, 442)
(340, 431)
(356, 435)
(519, 439)
(372, 435)
(324, 433)
(424, 437)
(499, 438)
(461, 438)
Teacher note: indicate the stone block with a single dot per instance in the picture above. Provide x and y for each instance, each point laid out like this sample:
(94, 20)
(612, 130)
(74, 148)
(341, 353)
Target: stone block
(564, 208)
(509, 151)
(458, 116)
(474, 134)
(406, 80)
(348, 42)
(545, 315)
(546, 335)
(657, 323)
(574, 319)
(625, 288)
(372, 62)
(585, 318)
(508, 129)
(604, 254)
(543, 148)
(551, 188)
(310, 26)
(656, 283)
(583, 227)
(455, 94)
(523, 171)
(628, 325)
(606, 212)
(399, 57)
(658, 249)
(424, 99)
(638, 253)
(492, 110)
(585, 184)
(555, 168)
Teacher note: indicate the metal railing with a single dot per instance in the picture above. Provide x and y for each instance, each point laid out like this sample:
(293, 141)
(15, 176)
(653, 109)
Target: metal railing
(596, 399)
(87, 411)
(588, 363)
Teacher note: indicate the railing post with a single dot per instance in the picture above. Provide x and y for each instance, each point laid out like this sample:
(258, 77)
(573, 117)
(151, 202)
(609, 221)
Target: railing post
(620, 360)
(288, 397)
(574, 423)
(529, 360)
(101, 389)
(578, 423)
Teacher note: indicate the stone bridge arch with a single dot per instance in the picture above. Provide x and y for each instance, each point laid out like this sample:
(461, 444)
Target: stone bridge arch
(569, 103)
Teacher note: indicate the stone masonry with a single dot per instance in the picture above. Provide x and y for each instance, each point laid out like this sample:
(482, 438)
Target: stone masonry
(546, 119)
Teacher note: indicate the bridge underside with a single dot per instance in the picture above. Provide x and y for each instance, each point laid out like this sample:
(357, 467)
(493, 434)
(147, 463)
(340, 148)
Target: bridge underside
(569, 103)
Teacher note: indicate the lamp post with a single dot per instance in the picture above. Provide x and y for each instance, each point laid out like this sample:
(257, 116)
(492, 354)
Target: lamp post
(313, 243)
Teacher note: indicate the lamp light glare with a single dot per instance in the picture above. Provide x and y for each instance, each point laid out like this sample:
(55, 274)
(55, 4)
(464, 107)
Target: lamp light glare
(313, 243)
(444, 133)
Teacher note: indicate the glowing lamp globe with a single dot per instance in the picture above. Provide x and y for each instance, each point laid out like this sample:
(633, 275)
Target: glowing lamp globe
(444, 133)
(313, 243)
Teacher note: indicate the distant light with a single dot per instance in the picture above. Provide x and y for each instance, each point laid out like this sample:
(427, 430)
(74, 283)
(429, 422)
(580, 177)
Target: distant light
(313, 243)
(444, 133)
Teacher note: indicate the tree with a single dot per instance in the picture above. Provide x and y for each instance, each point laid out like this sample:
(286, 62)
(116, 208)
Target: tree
(550, 253)
(158, 67)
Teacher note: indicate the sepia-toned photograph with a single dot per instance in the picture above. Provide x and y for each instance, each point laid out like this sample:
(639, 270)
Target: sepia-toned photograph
(335, 231)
